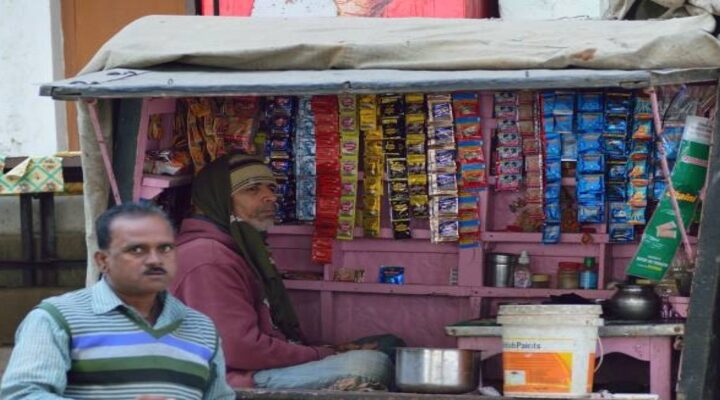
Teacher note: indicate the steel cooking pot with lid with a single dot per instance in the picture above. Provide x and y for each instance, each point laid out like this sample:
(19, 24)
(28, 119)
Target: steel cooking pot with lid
(634, 302)
(428, 370)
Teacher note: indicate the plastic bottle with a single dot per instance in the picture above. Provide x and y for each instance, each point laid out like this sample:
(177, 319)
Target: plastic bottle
(567, 276)
(588, 274)
(522, 273)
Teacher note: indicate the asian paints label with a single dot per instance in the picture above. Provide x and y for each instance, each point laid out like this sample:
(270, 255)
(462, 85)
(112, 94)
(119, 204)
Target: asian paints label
(549, 350)
(662, 237)
(541, 365)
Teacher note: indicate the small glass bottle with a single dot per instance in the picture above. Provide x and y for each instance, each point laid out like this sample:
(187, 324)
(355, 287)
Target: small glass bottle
(588, 275)
(522, 273)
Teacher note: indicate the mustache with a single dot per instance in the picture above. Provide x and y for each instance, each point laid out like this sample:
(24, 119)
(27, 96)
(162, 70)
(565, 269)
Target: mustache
(154, 270)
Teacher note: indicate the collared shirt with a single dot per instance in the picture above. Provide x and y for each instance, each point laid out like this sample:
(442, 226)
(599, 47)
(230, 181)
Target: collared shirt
(41, 358)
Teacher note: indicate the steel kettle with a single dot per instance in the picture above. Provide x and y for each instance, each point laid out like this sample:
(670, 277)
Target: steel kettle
(634, 302)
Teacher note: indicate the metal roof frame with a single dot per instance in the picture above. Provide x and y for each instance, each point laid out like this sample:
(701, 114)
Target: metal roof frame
(203, 81)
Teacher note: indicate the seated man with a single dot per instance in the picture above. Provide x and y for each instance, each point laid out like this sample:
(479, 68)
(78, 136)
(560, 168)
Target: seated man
(225, 271)
(125, 337)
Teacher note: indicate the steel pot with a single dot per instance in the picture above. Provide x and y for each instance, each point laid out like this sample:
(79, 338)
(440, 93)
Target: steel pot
(499, 269)
(635, 302)
(425, 370)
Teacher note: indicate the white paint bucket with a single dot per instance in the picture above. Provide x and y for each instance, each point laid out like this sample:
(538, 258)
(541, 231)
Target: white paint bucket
(549, 350)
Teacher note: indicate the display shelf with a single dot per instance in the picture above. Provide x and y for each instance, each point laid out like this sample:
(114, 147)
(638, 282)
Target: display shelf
(378, 288)
(534, 237)
(385, 233)
(153, 185)
(566, 181)
(470, 298)
(166, 181)
(439, 290)
(304, 230)
(538, 292)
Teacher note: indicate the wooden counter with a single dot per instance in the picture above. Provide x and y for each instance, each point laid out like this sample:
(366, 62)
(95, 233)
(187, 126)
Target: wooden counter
(269, 394)
(652, 342)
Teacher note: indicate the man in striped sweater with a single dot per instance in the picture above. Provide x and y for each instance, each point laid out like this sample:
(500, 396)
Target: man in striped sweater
(125, 337)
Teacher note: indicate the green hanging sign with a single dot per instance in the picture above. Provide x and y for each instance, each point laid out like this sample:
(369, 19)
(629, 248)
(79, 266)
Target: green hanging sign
(662, 235)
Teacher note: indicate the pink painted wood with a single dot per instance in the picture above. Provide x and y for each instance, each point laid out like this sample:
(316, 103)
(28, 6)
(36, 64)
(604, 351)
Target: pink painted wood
(150, 106)
(100, 137)
(600, 267)
(379, 288)
(470, 261)
(142, 140)
(660, 371)
(153, 185)
(536, 238)
(385, 233)
(656, 349)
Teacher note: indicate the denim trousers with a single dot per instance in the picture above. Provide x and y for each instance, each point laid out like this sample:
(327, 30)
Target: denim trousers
(361, 366)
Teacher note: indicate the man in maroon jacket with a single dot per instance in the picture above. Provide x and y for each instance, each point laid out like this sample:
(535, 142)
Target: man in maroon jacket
(225, 271)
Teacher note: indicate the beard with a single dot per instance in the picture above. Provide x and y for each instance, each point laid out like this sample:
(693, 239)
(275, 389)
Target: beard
(261, 223)
(262, 219)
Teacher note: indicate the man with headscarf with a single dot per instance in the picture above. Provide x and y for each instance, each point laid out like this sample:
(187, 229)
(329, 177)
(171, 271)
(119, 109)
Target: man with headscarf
(225, 271)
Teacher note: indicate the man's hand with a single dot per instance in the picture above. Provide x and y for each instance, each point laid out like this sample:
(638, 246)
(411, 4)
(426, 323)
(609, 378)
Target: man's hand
(344, 347)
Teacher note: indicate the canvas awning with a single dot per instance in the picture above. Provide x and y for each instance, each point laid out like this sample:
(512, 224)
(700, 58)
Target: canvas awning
(179, 82)
(186, 55)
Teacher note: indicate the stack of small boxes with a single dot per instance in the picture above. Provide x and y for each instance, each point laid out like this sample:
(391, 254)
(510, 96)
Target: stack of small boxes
(471, 164)
(442, 178)
(558, 108)
(349, 151)
(508, 143)
(617, 122)
(529, 123)
(639, 162)
(392, 112)
(305, 161)
(590, 168)
(327, 159)
(373, 164)
(415, 139)
(279, 113)
(673, 127)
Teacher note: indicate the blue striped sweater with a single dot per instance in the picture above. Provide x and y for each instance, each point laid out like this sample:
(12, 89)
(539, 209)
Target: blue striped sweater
(113, 353)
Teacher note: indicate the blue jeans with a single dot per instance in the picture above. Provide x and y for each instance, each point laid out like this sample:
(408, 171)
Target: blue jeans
(359, 366)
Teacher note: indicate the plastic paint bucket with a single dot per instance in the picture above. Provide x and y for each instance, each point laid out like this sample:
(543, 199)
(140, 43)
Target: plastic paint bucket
(549, 350)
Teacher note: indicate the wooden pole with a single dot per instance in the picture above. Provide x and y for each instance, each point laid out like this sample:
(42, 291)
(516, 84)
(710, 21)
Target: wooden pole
(699, 366)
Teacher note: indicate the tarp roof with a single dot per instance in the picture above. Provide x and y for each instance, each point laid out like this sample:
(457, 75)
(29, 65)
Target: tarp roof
(407, 47)
(261, 44)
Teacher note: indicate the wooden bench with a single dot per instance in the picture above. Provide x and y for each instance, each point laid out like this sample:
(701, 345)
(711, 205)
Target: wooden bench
(269, 394)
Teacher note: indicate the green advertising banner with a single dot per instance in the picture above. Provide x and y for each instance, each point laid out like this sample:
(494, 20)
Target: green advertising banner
(662, 235)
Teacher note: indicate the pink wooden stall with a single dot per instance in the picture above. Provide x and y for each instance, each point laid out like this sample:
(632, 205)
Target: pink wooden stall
(419, 310)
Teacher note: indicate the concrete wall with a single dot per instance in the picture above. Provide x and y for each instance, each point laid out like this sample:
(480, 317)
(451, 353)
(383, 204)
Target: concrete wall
(30, 54)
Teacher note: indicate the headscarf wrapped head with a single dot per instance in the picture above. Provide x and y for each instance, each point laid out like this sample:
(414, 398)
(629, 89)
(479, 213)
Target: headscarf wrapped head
(211, 195)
